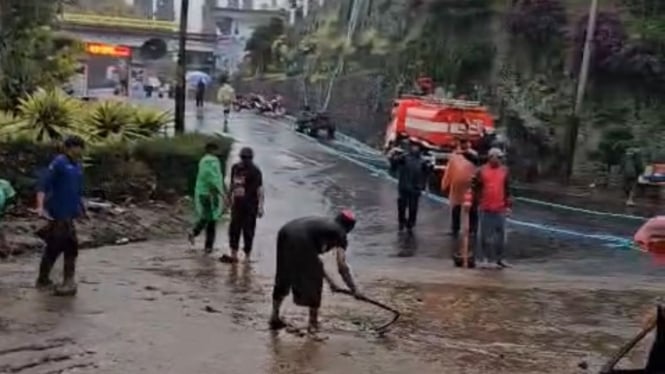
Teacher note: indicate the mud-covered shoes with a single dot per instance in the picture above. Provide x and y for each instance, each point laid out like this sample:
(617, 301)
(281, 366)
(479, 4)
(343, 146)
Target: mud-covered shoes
(68, 288)
(44, 284)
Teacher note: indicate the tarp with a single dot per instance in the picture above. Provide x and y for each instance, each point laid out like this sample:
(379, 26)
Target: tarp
(7, 193)
(651, 236)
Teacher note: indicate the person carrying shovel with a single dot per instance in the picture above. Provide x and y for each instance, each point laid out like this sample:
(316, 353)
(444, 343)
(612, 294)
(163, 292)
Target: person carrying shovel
(301, 271)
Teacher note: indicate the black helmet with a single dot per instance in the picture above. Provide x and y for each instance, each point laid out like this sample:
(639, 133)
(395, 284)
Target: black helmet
(346, 219)
(246, 153)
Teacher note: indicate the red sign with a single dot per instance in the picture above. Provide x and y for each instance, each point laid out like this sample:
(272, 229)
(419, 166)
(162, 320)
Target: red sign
(101, 49)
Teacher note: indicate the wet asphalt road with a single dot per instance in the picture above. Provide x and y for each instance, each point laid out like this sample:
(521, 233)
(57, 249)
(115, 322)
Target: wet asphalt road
(158, 308)
(340, 177)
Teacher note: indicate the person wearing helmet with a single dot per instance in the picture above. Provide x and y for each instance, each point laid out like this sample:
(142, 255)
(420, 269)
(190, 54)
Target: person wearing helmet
(299, 268)
(60, 202)
(246, 203)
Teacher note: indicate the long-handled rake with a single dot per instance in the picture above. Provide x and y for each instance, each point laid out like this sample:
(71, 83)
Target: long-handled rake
(380, 329)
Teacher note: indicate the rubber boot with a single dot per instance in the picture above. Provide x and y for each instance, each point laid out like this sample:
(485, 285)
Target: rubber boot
(44, 278)
(68, 287)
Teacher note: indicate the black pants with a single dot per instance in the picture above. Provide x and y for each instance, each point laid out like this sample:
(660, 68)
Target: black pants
(456, 219)
(243, 222)
(210, 230)
(208, 204)
(299, 271)
(407, 208)
(60, 237)
(199, 100)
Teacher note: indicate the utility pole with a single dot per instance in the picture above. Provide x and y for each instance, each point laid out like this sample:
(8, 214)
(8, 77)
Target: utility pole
(586, 56)
(573, 129)
(181, 86)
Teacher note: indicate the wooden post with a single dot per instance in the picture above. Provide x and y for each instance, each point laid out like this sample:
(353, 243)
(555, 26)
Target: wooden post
(466, 208)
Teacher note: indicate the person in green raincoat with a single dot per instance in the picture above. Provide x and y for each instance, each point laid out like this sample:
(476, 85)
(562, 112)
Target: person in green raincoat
(7, 194)
(208, 196)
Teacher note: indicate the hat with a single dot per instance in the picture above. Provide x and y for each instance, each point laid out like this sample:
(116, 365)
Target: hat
(346, 219)
(495, 152)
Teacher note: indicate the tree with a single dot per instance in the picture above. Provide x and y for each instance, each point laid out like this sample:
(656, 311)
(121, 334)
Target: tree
(260, 44)
(31, 54)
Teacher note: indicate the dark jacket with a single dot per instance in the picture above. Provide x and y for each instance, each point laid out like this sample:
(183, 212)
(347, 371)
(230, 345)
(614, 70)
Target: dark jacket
(412, 172)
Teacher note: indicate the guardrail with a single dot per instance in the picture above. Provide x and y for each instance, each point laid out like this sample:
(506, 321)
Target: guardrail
(124, 22)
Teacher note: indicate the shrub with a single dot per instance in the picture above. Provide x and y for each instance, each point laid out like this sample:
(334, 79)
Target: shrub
(111, 120)
(150, 168)
(46, 116)
(149, 122)
(538, 21)
(166, 155)
(52, 115)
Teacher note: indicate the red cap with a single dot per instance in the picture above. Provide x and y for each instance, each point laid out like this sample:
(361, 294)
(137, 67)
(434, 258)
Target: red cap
(348, 214)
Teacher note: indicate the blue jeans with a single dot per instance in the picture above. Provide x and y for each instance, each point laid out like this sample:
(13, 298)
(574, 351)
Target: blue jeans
(492, 235)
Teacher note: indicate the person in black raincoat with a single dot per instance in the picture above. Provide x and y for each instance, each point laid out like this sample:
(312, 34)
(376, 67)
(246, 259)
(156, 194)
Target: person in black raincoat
(300, 270)
(412, 172)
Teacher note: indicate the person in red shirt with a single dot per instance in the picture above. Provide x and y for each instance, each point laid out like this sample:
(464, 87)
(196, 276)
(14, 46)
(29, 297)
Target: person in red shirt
(491, 187)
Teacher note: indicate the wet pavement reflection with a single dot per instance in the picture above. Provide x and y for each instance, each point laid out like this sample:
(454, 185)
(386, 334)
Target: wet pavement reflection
(160, 308)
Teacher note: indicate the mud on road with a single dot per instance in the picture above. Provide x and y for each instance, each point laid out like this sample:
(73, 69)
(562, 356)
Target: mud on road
(155, 307)
(160, 308)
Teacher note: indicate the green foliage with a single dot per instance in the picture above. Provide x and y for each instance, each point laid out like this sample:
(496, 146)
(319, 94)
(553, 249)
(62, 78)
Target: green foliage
(111, 120)
(45, 116)
(149, 122)
(51, 115)
(164, 156)
(31, 54)
(613, 144)
(260, 44)
(148, 169)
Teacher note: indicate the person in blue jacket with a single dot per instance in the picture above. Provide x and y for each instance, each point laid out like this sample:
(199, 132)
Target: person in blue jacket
(60, 201)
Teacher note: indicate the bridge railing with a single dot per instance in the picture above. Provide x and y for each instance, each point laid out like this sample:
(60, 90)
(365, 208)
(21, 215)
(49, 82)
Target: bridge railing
(120, 22)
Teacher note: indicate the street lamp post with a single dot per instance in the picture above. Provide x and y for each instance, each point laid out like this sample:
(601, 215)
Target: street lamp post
(181, 86)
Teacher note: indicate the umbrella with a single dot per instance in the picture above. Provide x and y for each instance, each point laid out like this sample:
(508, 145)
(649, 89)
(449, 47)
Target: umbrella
(193, 77)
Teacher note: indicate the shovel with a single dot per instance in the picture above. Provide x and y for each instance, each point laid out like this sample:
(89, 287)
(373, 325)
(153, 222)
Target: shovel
(380, 329)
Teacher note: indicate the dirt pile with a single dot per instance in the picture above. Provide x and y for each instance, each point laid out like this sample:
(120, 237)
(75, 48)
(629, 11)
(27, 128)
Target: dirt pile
(108, 224)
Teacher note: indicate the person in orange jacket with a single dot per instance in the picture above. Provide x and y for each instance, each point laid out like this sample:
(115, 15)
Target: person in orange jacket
(456, 181)
(491, 187)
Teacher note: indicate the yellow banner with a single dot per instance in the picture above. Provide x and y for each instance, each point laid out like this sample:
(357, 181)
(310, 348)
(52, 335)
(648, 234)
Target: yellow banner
(125, 22)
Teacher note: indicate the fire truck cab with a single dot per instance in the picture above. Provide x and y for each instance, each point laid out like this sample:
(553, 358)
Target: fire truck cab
(436, 124)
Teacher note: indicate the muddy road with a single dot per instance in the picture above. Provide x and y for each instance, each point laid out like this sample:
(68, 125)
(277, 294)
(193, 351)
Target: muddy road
(158, 307)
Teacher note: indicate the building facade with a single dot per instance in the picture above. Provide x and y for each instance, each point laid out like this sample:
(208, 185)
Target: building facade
(163, 10)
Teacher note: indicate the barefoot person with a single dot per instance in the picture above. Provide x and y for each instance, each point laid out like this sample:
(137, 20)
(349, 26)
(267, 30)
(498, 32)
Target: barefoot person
(60, 201)
(299, 268)
(246, 195)
(208, 196)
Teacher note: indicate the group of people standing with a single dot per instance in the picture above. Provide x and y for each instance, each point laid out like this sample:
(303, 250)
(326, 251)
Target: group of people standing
(480, 177)
(244, 197)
